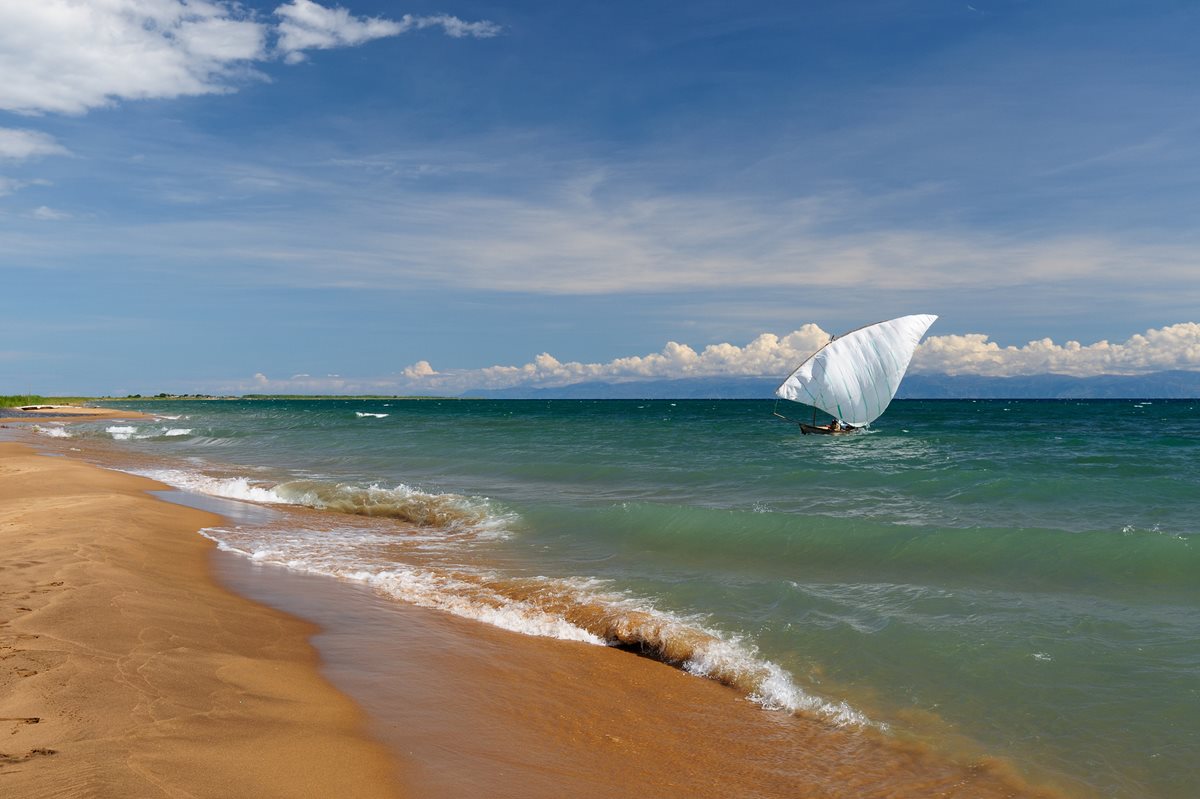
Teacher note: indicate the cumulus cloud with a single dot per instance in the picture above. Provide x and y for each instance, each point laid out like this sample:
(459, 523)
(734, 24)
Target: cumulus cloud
(67, 56)
(418, 370)
(18, 145)
(767, 354)
(1172, 347)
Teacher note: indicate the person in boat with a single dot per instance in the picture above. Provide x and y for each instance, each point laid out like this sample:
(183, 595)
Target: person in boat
(835, 425)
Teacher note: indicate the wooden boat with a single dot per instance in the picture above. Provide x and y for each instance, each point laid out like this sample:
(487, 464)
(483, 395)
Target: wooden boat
(853, 378)
(825, 430)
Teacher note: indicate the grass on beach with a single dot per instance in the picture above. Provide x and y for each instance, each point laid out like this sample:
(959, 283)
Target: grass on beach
(17, 400)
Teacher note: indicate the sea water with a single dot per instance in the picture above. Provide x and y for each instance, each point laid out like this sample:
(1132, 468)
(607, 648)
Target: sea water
(1014, 578)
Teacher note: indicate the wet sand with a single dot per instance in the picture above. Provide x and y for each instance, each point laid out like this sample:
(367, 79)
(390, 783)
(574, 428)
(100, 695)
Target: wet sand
(126, 671)
(480, 711)
(466, 709)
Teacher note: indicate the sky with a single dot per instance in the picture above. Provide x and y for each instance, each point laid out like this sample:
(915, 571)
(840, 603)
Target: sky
(426, 197)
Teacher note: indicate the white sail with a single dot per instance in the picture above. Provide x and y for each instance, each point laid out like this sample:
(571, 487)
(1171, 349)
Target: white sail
(853, 378)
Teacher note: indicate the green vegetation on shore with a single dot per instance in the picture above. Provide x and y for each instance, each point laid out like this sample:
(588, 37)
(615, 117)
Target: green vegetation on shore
(343, 397)
(17, 400)
(156, 397)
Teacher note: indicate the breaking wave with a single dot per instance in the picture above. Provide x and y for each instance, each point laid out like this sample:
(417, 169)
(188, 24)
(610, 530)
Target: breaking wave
(449, 512)
(574, 609)
(409, 564)
(53, 431)
(127, 432)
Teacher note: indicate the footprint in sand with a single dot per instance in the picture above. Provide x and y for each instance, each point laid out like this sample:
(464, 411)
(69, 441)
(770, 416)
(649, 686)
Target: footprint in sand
(20, 720)
(30, 755)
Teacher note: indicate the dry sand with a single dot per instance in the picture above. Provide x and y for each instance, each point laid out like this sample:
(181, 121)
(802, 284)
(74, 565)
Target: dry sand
(126, 672)
(66, 413)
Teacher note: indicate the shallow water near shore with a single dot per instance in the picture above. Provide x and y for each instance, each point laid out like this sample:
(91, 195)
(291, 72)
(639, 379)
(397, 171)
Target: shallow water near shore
(1016, 580)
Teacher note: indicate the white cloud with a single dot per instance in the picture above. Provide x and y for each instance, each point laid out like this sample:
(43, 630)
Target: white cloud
(453, 26)
(419, 370)
(18, 145)
(10, 185)
(68, 56)
(307, 25)
(310, 26)
(65, 56)
(48, 214)
(1172, 347)
(573, 237)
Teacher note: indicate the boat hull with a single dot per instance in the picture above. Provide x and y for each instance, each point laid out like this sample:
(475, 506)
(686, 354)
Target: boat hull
(809, 429)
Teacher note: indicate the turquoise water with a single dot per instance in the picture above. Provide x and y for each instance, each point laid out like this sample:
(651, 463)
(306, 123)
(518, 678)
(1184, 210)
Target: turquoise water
(1016, 578)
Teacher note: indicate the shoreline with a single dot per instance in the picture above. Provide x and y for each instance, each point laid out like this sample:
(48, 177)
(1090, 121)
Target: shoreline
(128, 671)
(479, 710)
(471, 709)
(65, 413)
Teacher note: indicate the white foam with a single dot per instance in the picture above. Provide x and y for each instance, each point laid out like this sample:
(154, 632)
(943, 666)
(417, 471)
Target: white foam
(120, 433)
(348, 555)
(52, 432)
(455, 520)
(228, 487)
(360, 414)
(427, 589)
(177, 431)
(412, 584)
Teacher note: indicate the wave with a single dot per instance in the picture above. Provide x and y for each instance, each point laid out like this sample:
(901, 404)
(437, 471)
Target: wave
(228, 487)
(53, 431)
(577, 609)
(360, 415)
(127, 432)
(574, 609)
(452, 513)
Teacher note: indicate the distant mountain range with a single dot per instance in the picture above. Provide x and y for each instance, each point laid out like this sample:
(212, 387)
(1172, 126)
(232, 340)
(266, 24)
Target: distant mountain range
(1176, 384)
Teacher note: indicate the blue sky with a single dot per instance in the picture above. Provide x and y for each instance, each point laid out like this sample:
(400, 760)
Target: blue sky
(224, 197)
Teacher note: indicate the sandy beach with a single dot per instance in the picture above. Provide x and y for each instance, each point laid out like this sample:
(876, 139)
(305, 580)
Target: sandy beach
(65, 413)
(125, 671)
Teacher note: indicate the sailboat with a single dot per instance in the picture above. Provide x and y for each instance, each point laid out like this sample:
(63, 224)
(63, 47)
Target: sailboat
(854, 377)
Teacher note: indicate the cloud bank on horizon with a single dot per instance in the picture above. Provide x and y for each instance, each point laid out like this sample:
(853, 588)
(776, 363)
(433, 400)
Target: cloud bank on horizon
(1167, 348)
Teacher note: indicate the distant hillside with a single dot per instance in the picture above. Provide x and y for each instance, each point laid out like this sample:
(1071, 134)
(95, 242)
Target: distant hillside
(1160, 385)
